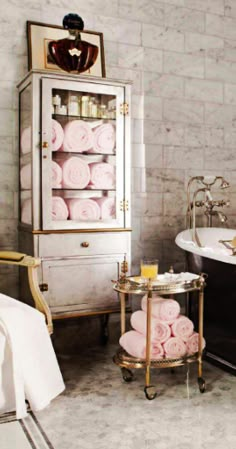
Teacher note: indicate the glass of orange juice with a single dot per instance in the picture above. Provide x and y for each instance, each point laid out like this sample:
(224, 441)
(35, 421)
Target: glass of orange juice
(149, 268)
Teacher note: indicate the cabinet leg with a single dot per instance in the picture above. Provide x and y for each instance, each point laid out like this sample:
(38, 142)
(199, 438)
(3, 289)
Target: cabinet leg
(104, 319)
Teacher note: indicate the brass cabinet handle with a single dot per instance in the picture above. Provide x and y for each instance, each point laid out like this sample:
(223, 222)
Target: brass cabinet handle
(85, 244)
(45, 144)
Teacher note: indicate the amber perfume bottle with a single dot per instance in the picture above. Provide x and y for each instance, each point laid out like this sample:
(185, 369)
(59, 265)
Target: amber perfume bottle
(73, 54)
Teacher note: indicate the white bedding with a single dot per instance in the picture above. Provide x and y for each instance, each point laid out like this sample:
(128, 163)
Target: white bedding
(28, 364)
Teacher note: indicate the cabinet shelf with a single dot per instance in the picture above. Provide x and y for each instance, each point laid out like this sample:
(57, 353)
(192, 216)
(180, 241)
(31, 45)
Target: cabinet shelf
(81, 117)
(85, 153)
(83, 190)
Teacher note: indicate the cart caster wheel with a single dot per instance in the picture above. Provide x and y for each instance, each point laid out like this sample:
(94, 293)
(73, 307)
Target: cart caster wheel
(201, 384)
(127, 375)
(150, 392)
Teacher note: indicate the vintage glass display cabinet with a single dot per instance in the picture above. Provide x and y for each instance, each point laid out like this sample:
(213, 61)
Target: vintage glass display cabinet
(74, 205)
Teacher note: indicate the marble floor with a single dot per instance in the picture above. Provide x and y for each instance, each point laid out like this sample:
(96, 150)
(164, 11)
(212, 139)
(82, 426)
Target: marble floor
(99, 410)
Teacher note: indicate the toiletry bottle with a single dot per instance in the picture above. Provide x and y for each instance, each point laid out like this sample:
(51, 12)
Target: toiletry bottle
(56, 103)
(73, 106)
(85, 105)
(103, 110)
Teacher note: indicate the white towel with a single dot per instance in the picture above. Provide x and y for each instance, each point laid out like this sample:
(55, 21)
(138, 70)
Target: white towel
(28, 365)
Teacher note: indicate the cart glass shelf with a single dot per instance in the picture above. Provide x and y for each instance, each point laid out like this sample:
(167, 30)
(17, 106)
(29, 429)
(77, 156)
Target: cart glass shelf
(166, 283)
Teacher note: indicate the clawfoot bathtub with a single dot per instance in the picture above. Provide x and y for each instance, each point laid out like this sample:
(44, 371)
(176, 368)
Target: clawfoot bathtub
(218, 262)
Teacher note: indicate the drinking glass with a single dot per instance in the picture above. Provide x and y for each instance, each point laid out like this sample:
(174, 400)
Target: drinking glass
(149, 268)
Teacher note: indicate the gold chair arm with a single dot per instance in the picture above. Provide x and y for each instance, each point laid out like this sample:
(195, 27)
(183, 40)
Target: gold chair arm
(20, 259)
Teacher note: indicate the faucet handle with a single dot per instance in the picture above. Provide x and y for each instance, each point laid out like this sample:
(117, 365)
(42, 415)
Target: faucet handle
(221, 203)
(199, 203)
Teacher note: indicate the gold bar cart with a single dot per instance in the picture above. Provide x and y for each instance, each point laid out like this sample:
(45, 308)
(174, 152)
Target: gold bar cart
(126, 286)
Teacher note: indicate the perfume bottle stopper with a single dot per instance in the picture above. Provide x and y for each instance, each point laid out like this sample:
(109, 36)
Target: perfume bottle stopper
(73, 54)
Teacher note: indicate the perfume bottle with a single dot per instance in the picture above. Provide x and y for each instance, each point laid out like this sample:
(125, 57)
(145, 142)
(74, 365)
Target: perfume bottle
(73, 106)
(73, 54)
(85, 105)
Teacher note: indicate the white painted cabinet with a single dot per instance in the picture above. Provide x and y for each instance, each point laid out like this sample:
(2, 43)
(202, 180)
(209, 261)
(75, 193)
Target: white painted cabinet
(74, 205)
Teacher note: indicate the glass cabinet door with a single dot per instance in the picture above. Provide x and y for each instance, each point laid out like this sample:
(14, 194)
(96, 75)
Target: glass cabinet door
(82, 152)
(25, 139)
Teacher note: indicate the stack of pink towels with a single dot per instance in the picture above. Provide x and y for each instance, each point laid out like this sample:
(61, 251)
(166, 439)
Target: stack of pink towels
(75, 173)
(83, 209)
(172, 334)
(80, 136)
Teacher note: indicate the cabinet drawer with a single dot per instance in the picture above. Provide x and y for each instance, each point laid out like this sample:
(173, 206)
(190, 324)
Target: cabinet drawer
(81, 285)
(58, 245)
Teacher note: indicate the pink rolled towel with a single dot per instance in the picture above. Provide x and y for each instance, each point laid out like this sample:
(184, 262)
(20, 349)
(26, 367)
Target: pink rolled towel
(56, 175)
(104, 139)
(57, 135)
(26, 211)
(174, 348)
(162, 308)
(25, 140)
(192, 343)
(102, 175)
(182, 327)
(25, 177)
(134, 344)
(84, 209)
(78, 137)
(107, 207)
(160, 331)
(59, 209)
(75, 173)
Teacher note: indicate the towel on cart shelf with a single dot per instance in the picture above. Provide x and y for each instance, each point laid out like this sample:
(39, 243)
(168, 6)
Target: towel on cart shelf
(83, 209)
(192, 343)
(134, 344)
(59, 209)
(78, 137)
(182, 327)
(57, 135)
(28, 364)
(103, 139)
(107, 207)
(164, 309)
(102, 175)
(160, 331)
(75, 173)
(56, 175)
(174, 348)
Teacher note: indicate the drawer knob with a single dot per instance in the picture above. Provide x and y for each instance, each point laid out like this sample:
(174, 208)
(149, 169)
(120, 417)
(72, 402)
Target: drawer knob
(85, 244)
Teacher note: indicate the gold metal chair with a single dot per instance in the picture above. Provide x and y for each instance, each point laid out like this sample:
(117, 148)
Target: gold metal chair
(31, 263)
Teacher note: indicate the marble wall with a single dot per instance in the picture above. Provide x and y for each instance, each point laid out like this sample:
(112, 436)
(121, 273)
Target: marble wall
(181, 57)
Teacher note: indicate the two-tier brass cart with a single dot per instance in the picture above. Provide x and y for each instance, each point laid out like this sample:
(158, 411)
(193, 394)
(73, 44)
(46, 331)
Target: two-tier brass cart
(129, 286)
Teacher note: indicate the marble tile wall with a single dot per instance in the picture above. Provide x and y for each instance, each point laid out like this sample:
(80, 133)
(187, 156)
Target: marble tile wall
(181, 57)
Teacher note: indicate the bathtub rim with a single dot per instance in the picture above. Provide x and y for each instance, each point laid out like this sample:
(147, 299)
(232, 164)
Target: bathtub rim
(184, 243)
